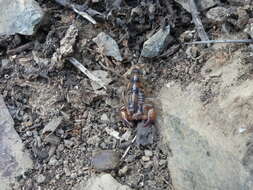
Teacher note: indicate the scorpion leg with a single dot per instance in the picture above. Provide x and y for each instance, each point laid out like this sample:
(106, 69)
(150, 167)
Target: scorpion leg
(150, 116)
(125, 117)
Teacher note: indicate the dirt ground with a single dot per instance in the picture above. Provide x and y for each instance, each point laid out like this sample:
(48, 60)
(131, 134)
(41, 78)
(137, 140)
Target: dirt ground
(36, 91)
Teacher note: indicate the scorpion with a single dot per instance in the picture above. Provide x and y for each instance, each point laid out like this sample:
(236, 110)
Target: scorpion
(135, 109)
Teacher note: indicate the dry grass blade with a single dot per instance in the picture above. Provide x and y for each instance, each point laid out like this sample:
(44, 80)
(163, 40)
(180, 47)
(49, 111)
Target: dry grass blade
(220, 41)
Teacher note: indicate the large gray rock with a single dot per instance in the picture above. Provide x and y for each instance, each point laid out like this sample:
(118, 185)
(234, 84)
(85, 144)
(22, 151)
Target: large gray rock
(102, 182)
(157, 43)
(19, 16)
(13, 160)
(203, 130)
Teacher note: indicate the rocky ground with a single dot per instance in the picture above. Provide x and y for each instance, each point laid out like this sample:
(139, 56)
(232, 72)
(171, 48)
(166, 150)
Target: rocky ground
(65, 119)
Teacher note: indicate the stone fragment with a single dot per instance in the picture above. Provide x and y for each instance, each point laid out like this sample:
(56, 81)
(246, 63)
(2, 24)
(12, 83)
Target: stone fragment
(105, 160)
(145, 158)
(249, 28)
(19, 16)
(66, 44)
(108, 46)
(144, 135)
(148, 153)
(103, 76)
(218, 14)
(13, 160)
(123, 171)
(102, 182)
(201, 4)
(104, 117)
(52, 125)
(41, 179)
(157, 43)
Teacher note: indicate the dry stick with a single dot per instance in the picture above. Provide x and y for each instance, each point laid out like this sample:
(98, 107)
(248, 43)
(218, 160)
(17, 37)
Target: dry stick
(221, 41)
(27, 46)
(197, 21)
(74, 7)
(128, 148)
(85, 15)
(92, 77)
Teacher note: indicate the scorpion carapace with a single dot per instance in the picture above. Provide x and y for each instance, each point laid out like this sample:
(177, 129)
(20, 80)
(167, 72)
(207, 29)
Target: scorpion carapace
(135, 108)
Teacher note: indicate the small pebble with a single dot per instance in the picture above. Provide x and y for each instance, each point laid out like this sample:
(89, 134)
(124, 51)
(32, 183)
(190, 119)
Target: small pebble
(145, 158)
(58, 176)
(104, 117)
(148, 153)
(29, 133)
(68, 143)
(73, 175)
(162, 162)
(148, 164)
(40, 179)
(123, 171)
(53, 162)
(60, 148)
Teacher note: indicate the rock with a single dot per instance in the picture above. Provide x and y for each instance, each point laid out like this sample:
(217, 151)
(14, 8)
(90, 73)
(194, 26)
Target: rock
(123, 171)
(110, 131)
(104, 117)
(66, 44)
(201, 4)
(239, 2)
(218, 14)
(93, 140)
(108, 46)
(52, 139)
(192, 52)
(5, 63)
(163, 162)
(103, 76)
(69, 143)
(148, 153)
(157, 43)
(105, 160)
(18, 16)
(249, 28)
(52, 125)
(53, 161)
(41, 179)
(204, 137)
(13, 160)
(126, 136)
(73, 175)
(145, 158)
(144, 135)
(102, 182)
(148, 164)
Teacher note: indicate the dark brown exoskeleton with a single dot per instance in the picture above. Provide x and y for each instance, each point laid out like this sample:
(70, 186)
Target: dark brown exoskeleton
(135, 108)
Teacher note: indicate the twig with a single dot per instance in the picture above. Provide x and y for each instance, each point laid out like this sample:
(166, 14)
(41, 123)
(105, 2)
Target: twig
(83, 11)
(27, 46)
(128, 148)
(197, 21)
(85, 15)
(220, 41)
(92, 77)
